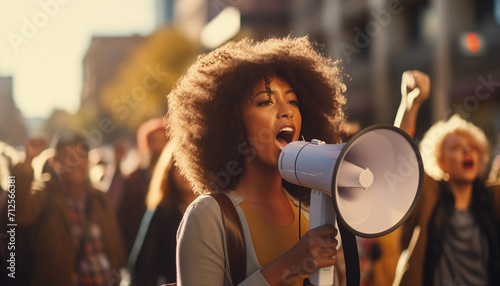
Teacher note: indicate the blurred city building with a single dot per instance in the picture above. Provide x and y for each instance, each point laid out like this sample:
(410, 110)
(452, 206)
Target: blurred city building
(378, 40)
(455, 42)
(58, 120)
(101, 64)
(126, 80)
(12, 127)
(259, 18)
(102, 61)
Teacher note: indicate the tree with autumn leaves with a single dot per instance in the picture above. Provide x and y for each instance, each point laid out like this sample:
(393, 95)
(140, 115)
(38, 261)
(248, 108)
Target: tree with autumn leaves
(137, 92)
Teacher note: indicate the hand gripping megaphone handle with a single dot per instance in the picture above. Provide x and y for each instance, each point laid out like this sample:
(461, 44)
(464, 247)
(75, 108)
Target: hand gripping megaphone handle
(322, 212)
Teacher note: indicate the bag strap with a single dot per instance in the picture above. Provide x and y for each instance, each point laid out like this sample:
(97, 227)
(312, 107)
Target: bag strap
(236, 248)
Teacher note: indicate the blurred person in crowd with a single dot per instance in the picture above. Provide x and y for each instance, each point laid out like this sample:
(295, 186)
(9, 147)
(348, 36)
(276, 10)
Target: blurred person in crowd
(23, 232)
(230, 116)
(117, 184)
(151, 140)
(100, 168)
(495, 170)
(494, 175)
(453, 235)
(9, 157)
(152, 260)
(75, 238)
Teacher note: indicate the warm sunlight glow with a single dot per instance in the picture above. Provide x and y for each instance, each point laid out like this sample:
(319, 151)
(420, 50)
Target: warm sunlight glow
(222, 28)
(42, 45)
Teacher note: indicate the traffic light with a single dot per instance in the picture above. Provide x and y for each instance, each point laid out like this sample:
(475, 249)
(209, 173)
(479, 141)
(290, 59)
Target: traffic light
(472, 44)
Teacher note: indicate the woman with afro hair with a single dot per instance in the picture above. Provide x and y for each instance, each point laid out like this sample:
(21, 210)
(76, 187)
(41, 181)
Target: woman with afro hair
(230, 115)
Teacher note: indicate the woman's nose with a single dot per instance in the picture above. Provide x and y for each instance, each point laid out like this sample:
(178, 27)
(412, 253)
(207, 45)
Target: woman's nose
(285, 111)
(466, 149)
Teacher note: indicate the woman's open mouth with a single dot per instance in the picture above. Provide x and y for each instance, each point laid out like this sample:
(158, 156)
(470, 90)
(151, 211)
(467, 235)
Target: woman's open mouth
(285, 135)
(468, 164)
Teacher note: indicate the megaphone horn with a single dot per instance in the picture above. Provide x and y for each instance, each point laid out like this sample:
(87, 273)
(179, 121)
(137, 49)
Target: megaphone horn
(372, 183)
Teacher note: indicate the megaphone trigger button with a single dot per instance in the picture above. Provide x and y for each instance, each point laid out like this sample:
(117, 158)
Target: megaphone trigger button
(317, 142)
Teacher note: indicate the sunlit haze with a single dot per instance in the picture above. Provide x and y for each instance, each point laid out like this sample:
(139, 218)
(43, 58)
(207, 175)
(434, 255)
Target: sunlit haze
(43, 42)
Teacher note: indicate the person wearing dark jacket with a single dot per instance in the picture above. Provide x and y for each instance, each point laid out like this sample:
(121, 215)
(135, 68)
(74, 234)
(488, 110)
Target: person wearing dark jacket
(453, 235)
(75, 238)
(151, 139)
(152, 259)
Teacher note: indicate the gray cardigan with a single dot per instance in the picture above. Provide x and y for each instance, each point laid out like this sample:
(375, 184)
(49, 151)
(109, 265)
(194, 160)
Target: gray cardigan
(201, 246)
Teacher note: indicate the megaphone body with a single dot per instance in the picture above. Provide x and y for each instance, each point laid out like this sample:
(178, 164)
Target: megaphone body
(370, 184)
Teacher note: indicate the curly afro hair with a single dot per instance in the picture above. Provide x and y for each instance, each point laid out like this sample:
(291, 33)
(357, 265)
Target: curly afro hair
(204, 106)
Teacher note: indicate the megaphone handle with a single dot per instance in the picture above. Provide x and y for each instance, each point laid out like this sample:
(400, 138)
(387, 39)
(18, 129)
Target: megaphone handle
(351, 257)
(322, 212)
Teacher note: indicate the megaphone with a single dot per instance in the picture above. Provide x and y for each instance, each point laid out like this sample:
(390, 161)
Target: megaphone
(370, 185)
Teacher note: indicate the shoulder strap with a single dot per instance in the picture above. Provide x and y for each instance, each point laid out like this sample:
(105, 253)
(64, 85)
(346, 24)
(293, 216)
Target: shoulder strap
(351, 257)
(236, 248)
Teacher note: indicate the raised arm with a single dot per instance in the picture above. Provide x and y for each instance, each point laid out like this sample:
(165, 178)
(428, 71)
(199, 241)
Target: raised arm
(415, 88)
(34, 147)
(27, 204)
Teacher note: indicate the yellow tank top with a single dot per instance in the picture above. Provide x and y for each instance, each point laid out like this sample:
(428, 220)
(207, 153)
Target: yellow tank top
(270, 241)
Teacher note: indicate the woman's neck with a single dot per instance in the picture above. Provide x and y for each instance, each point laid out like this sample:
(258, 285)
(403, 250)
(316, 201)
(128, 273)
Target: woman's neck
(187, 197)
(259, 183)
(260, 187)
(462, 191)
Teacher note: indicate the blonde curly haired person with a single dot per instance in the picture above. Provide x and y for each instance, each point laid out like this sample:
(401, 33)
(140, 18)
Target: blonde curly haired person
(454, 232)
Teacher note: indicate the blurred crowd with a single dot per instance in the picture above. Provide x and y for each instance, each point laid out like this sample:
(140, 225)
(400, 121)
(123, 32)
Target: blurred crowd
(94, 215)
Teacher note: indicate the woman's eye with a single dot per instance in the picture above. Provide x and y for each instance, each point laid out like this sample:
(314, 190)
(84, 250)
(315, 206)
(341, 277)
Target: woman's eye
(265, 103)
(294, 103)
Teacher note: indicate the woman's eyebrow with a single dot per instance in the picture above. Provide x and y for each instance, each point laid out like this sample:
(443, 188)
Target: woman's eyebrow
(271, 92)
(261, 92)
